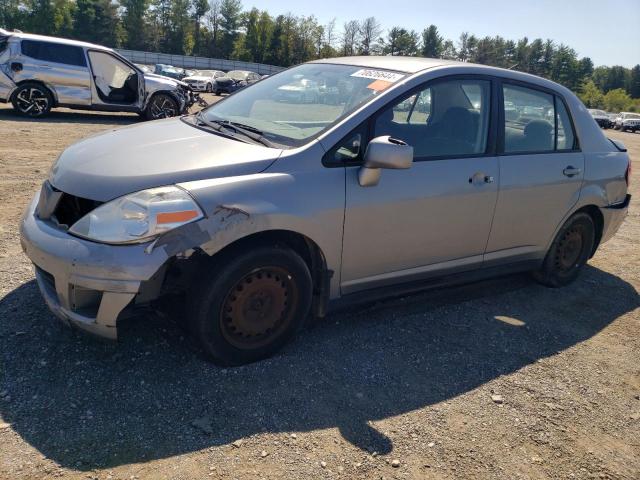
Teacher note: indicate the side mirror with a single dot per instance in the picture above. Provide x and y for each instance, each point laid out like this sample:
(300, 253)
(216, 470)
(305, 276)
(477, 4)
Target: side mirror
(383, 152)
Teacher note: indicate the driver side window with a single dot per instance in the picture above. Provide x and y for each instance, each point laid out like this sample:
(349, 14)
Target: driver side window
(446, 119)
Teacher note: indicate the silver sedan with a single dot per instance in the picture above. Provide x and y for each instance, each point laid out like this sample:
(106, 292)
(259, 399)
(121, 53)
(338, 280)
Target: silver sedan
(263, 210)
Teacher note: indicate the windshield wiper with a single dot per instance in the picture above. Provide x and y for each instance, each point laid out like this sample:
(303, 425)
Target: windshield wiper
(246, 130)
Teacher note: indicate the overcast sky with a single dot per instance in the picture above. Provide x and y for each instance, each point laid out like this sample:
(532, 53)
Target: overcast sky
(608, 31)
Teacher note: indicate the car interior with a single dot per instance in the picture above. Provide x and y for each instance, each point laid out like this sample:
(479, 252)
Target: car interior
(448, 118)
(115, 81)
(529, 124)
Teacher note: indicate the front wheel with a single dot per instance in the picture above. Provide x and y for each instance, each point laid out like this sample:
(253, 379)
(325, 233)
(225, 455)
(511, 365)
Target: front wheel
(250, 306)
(569, 252)
(32, 100)
(209, 88)
(161, 105)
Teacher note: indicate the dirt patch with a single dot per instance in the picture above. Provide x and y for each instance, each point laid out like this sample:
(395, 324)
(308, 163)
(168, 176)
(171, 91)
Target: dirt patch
(500, 379)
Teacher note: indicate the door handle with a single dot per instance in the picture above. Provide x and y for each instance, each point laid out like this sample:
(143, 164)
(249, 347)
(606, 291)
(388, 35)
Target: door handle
(571, 171)
(479, 178)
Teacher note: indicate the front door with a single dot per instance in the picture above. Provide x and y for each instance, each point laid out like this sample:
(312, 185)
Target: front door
(436, 216)
(541, 173)
(115, 83)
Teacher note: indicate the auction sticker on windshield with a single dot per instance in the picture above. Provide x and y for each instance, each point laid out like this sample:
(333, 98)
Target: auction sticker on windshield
(378, 75)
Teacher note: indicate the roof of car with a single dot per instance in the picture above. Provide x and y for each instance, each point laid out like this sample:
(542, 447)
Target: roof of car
(64, 41)
(401, 64)
(413, 65)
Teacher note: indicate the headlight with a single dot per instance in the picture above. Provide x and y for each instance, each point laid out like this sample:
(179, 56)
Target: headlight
(138, 217)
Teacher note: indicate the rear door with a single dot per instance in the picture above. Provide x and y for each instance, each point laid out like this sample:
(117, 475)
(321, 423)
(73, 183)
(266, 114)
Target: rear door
(541, 173)
(62, 67)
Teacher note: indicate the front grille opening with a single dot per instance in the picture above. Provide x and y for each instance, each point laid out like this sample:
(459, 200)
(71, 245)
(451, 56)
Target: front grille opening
(85, 301)
(70, 209)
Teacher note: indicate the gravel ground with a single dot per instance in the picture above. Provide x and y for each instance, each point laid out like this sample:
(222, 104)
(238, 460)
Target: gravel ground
(499, 379)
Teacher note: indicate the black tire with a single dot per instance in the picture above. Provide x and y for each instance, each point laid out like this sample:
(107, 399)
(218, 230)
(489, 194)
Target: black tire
(248, 307)
(569, 252)
(161, 105)
(218, 93)
(209, 88)
(32, 99)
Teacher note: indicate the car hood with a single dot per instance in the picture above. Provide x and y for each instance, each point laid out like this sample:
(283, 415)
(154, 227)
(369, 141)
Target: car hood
(162, 80)
(152, 154)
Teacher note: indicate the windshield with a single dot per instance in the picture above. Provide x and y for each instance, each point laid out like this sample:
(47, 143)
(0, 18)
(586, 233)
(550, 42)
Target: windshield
(598, 112)
(300, 103)
(631, 115)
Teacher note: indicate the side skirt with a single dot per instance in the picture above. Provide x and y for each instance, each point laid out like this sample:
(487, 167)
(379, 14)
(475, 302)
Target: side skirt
(408, 288)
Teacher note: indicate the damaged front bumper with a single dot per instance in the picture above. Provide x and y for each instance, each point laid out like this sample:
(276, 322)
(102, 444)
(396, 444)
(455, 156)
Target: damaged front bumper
(88, 284)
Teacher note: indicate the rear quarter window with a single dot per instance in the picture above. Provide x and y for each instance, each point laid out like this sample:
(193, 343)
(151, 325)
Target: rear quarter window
(54, 52)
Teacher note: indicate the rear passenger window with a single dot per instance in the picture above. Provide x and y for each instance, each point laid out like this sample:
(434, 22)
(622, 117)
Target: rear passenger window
(446, 119)
(54, 52)
(535, 121)
(528, 120)
(566, 138)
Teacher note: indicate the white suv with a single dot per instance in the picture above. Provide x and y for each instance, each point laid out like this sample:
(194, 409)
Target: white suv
(627, 121)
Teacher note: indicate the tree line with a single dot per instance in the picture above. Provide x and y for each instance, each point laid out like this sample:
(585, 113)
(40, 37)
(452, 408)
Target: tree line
(224, 29)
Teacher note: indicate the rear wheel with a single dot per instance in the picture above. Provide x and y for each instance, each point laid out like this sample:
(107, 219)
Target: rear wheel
(32, 100)
(252, 305)
(161, 105)
(569, 252)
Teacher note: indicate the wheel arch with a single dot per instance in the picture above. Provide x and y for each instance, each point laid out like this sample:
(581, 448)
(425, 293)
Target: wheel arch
(158, 92)
(304, 246)
(50, 88)
(598, 220)
(308, 249)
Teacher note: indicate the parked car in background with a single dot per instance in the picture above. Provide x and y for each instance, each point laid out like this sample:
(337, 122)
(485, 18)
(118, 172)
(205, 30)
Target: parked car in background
(601, 118)
(203, 80)
(261, 212)
(169, 71)
(38, 73)
(627, 121)
(235, 80)
(303, 90)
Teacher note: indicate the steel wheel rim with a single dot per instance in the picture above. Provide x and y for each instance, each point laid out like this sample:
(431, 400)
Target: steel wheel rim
(569, 251)
(259, 308)
(32, 101)
(163, 107)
